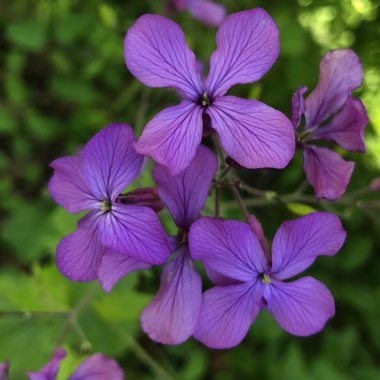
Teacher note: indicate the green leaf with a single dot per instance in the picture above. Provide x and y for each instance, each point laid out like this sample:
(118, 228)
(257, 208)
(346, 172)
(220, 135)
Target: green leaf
(30, 35)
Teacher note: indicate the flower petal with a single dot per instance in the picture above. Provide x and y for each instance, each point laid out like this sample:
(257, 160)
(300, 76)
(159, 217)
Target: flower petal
(206, 11)
(110, 162)
(227, 313)
(301, 307)
(98, 367)
(247, 47)
(134, 231)
(114, 266)
(298, 105)
(347, 127)
(172, 137)
(173, 313)
(227, 247)
(298, 242)
(253, 134)
(79, 254)
(156, 53)
(67, 186)
(50, 370)
(340, 72)
(185, 194)
(327, 172)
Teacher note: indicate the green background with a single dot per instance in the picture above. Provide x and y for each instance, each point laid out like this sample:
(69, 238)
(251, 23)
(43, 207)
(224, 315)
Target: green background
(63, 78)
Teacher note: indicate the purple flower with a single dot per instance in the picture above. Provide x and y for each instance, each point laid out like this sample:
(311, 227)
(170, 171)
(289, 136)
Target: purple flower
(95, 367)
(173, 313)
(332, 114)
(206, 11)
(231, 248)
(252, 133)
(93, 180)
(4, 366)
(375, 184)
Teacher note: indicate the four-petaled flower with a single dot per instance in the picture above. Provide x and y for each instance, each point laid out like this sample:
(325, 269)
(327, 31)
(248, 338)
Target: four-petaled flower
(95, 367)
(208, 12)
(248, 282)
(252, 133)
(332, 114)
(93, 180)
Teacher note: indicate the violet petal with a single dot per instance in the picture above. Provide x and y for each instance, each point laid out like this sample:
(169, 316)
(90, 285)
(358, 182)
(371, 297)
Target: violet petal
(298, 242)
(247, 46)
(186, 193)
(156, 53)
(301, 307)
(253, 134)
(173, 313)
(327, 172)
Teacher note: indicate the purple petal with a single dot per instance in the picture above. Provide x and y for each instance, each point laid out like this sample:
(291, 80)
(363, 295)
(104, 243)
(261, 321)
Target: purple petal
(114, 266)
(301, 307)
(180, 5)
(134, 231)
(98, 367)
(172, 137)
(227, 247)
(4, 367)
(79, 254)
(68, 187)
(253, 134)
(50, 370)
(347, 127)
(327, 172)
(247, 46)
(298, 242)
(219, 279)
(227, 313)
(298, 105)
(156, 53)
(186, 193)
(206, 11)
(110, 162)
(340, 72)
(173, 313)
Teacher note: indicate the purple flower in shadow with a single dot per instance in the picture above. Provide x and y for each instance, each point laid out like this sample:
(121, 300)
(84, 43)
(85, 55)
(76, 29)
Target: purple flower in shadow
(4, 367)
(95, 367)
(232, 249)
(93, 181)
(332, 114)
(208, 12)
(252, 133)
(173, 313)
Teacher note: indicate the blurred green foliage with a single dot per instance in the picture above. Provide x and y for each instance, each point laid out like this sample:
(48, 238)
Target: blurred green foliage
(63, 78)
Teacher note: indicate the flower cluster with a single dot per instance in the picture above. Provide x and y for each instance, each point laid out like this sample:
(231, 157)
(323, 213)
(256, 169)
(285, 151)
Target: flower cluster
(122, 232)
(95, 367)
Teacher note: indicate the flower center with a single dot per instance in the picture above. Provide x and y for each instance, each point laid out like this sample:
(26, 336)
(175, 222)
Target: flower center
(106, 206)
(265, 279)
(205, 100)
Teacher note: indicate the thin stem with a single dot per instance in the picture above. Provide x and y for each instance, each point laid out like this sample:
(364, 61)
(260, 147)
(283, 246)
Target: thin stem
(240, 201)
(217, 201)
(157, 370)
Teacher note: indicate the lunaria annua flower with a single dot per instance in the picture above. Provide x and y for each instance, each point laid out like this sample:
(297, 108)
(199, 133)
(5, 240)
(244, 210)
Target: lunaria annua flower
(332, 114)
(249, 282)
(208, 12)
(4, 366)
(252, 133)
(173, 313)
(95, 367)
(93, 181)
